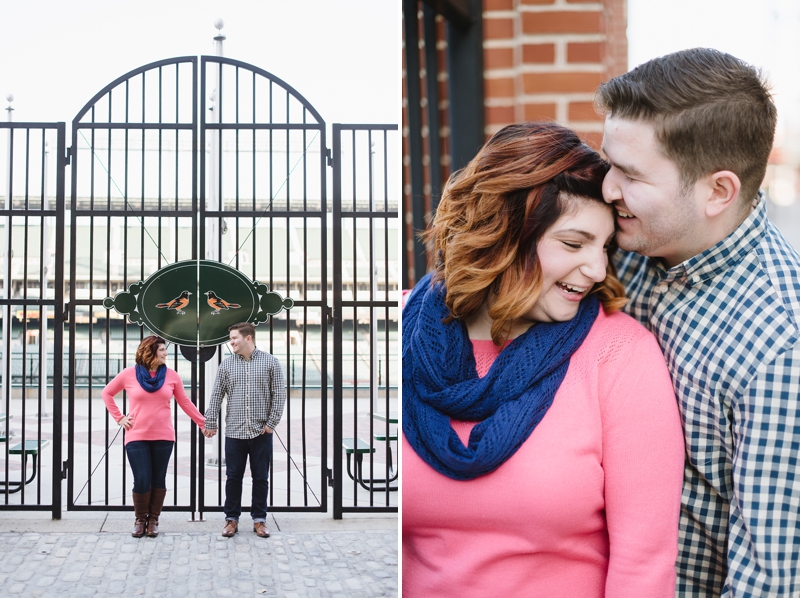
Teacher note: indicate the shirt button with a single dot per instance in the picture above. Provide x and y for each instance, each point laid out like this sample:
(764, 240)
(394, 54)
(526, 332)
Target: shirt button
(662, 288)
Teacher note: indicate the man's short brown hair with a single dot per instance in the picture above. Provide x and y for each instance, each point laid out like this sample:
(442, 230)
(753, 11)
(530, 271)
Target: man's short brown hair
(245, 329)
(710, 110)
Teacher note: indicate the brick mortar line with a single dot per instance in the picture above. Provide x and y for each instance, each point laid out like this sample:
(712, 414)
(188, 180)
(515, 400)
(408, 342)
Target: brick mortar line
(543, 38)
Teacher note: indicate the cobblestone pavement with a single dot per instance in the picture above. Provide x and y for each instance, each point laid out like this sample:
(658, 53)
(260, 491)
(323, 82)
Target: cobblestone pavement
(346, 564)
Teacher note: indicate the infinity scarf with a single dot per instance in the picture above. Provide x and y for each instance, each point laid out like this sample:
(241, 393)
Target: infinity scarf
(148, 383)
(440, 383)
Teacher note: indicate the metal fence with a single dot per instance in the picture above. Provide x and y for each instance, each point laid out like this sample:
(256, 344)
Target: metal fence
(187, 159)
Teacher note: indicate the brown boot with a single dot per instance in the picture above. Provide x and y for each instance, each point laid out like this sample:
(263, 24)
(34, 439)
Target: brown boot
(141, 506)
(156, 502)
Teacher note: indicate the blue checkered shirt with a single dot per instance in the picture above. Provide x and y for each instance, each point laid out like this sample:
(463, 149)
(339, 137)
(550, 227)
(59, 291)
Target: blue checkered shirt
(728, 322)
(256, 395)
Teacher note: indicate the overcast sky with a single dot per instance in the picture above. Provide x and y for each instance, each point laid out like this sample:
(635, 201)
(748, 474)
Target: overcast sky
(764, 33)
(342, 55)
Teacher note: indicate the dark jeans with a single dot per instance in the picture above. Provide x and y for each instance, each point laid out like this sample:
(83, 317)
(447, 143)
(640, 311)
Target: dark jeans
(259, 449)
(149, 460)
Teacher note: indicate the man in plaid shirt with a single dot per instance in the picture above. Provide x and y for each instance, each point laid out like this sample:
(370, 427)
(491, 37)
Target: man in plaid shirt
(253, 381)
(688, 136)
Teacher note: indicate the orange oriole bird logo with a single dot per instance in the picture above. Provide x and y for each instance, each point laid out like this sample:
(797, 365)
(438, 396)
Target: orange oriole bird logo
(218, 303)
(178, 303)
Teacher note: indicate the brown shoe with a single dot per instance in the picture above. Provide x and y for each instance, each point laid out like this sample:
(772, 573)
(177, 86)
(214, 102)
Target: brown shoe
(261, 529)
(156, 503)
(141, 506)
(230, 528)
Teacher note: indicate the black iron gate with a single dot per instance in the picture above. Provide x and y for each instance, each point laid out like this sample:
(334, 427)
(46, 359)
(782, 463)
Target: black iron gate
(31, 304)
(212, 158)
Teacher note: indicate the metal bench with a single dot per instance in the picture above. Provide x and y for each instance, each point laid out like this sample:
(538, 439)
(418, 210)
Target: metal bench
(32, 448)
(3, 418)
(359, 448)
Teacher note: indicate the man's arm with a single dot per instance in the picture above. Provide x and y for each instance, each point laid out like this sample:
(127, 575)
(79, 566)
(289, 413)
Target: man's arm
(764, 531)
(277, 391)
(219, 390)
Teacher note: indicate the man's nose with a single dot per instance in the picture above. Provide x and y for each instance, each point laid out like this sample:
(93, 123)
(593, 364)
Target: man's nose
(611, 188)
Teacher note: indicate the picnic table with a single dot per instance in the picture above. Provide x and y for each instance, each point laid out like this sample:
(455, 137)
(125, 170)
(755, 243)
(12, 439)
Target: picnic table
(359, 448)
(30, 448)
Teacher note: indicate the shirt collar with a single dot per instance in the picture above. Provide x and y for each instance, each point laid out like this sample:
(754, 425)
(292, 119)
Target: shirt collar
(253, 354)
(723, 255)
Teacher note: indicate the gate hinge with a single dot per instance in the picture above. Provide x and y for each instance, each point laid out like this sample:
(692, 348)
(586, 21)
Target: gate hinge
(66, 315)
(69, 155)
(329, 155)
(330, 477)
(64, 469)
(329, 311)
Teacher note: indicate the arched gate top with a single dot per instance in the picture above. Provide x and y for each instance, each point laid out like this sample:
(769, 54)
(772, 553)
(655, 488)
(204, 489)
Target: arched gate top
(191, 62)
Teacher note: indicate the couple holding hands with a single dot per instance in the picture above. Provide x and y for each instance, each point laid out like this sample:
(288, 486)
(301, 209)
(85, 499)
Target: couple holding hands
(584, 421)
(253, 383)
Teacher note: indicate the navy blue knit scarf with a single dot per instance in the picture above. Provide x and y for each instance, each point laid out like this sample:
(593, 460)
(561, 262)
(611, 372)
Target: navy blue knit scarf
(440, 382)
(148, 383)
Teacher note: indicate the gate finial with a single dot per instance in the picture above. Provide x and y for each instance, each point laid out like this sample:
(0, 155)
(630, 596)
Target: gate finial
(220, 37)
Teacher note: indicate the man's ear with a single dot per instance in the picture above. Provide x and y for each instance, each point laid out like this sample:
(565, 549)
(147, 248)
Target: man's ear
(722, 192)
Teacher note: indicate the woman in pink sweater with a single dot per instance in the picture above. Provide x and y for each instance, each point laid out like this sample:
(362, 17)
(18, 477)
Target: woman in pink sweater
(149, 436)
(542, 448)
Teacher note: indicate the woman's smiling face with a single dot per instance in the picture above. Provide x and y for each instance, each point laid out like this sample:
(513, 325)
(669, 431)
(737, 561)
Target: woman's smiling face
(573, 256)
(161, 355)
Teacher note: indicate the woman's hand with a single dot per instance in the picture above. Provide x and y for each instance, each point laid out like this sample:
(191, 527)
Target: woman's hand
(126, 422)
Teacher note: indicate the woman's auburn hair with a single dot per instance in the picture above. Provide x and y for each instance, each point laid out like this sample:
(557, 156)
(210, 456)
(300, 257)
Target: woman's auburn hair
(147, 353)
(494, 211)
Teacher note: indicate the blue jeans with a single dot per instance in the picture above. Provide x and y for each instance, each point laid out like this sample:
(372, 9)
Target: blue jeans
(259, 449)
(149, 460)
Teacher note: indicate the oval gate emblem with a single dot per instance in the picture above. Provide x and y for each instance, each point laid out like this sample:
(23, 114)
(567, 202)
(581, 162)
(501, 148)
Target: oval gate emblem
(194, 302)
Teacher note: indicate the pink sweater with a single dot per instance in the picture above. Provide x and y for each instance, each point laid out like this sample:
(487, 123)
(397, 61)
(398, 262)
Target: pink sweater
(150, 410)
(587, 507)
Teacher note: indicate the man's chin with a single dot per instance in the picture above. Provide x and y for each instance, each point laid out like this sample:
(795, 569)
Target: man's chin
(628, 243)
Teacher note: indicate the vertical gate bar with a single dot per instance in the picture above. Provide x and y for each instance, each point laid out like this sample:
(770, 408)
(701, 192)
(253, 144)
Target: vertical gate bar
(160, 190)
(354, 238)
(71, 367)
(373, 290)
(236, 155)
(271, 268)
(386, 298)
(108, 157)
(58, 319)
(106, 415)
(125, 208)
(337, 321)
(26, 202)
(288, 253)
(218, 241)
(220, 199)
(373, 325)
(25, 240)
(305, 318)
(323, 215)
(43, 311)
(198, 449)
(7, 291)
(89, 357)
(198, 235)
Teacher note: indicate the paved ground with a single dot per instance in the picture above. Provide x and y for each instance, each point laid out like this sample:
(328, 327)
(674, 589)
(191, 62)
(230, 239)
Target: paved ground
(93, 554)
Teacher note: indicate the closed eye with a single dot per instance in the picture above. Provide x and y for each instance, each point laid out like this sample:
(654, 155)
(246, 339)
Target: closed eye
(572, 245)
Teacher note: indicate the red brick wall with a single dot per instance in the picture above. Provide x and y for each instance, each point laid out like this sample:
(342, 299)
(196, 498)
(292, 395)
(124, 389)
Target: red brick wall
(544, 59)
